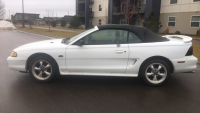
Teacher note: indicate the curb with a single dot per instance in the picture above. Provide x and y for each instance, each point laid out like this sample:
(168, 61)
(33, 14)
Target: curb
(47, 36)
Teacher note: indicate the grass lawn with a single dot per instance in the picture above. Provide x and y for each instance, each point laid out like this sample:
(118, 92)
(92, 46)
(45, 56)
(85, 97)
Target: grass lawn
(196, 51)
(58, 27)
(195, 37)
(61, 34)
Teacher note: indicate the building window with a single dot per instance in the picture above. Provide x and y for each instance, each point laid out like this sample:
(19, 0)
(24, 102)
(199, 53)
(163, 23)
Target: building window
(172, 21)
(100, 9)
(123, 22)
(138, 22)
(173, 1)
(195, 21)
(140, 3)
(196, 0)
(99, 21)
(123, 5)
(90, 9)
(90, 24)
(19, 16)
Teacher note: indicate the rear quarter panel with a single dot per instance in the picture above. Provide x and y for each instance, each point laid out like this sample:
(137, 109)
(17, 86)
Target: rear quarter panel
(141, 51)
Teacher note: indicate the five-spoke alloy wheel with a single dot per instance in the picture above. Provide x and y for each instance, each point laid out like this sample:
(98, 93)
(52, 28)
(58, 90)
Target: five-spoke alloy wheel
(42, 69)
(156, 72)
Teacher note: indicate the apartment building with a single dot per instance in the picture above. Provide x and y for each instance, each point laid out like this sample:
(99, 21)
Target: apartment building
(100, 12)
(180, 15)
(92, 12)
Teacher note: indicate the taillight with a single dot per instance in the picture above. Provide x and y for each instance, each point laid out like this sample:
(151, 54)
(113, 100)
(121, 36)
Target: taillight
(190, 52)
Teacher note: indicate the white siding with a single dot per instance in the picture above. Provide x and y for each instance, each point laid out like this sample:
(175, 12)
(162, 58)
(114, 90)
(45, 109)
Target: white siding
(103, 14)
(181, 6)
(104, 6)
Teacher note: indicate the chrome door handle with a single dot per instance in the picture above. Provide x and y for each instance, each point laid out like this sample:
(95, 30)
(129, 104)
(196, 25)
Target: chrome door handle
(119, 51)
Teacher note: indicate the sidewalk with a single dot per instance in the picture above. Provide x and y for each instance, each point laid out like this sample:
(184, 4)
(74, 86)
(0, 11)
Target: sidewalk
(56, 29)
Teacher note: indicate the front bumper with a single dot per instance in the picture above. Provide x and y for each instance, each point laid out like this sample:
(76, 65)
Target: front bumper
(190, 64)
(17, 63)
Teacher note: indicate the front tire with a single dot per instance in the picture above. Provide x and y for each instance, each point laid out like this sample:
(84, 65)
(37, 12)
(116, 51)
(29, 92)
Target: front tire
(156, 72)
(42, 69)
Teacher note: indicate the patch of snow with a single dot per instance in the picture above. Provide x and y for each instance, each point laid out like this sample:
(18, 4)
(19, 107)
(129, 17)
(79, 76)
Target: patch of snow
(5, 25)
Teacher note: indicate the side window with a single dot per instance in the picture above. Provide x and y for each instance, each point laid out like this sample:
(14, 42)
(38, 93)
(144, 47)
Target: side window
(172, 21)
(99, 21)
(100, 9)
(195, 21)
(173, 1)
(133, 38)
(104, 37)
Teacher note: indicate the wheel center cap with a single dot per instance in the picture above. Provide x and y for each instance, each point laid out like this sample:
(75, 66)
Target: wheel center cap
(42, 68)
(155, 72)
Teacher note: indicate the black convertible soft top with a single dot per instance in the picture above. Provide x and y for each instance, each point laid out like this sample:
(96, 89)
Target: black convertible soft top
(145, 34)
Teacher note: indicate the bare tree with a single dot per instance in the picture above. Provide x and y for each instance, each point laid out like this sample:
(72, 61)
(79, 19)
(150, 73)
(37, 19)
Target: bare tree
(50, 18)
(130, 9)
(30, 22)
(50, 15)
(2, 10)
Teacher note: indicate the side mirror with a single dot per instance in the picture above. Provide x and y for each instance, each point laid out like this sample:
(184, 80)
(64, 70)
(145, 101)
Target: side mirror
(81, 42)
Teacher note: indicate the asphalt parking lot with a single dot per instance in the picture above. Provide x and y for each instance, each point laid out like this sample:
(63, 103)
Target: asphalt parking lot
(82, 94)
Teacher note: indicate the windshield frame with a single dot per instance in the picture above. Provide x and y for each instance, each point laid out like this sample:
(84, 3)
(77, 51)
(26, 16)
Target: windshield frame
(79, 36)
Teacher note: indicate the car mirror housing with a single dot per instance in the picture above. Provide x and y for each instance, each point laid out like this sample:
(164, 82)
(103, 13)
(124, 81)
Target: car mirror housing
(81, 42)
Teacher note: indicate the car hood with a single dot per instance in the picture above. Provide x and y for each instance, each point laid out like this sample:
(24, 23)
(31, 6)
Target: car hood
(47, 44)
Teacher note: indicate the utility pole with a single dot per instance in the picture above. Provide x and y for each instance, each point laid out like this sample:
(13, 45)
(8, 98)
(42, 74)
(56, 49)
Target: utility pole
(23, 12)
(9, 15)
(48, 21)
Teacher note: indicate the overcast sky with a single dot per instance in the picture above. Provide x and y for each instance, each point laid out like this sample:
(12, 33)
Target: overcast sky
(61, 7)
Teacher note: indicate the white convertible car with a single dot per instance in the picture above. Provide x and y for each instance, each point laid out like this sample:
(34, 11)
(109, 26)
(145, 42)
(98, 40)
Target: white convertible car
(107, 50)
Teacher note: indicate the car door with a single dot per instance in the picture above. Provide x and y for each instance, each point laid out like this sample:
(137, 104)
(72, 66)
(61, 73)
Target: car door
(136, 48)
(104, 51)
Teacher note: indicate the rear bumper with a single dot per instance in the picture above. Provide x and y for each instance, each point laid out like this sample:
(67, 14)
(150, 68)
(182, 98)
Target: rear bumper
(16, 63)
(190, 64)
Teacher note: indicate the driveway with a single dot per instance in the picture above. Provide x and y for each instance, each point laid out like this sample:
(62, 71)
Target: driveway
(196, 42)
(86, 94)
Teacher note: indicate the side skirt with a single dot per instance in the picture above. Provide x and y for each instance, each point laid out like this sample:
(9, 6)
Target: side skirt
(101, 74)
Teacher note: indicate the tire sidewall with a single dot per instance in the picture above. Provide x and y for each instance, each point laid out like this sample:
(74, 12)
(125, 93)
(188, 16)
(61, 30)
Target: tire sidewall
(46, 59)
(151, 62)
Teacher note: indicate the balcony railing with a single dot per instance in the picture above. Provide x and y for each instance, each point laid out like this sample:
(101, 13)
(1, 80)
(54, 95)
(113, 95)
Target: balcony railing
(91, 1)
(82, 14)
(91, 14)
(83, 1)
(120, 10)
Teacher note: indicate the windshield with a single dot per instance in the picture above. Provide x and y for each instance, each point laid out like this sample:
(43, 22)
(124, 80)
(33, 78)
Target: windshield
(77, 36)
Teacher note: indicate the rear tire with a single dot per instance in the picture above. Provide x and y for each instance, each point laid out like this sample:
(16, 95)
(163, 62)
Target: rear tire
(155, 72)
(42, 69)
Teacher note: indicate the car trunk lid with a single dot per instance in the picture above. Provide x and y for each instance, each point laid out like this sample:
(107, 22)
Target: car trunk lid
(183, 38)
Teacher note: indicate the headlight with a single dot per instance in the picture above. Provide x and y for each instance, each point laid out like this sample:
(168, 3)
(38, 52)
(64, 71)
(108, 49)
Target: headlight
(13, 54)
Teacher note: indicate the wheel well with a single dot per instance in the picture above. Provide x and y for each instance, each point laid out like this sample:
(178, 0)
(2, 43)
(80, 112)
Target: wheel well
(161, 58)
(37, 55)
